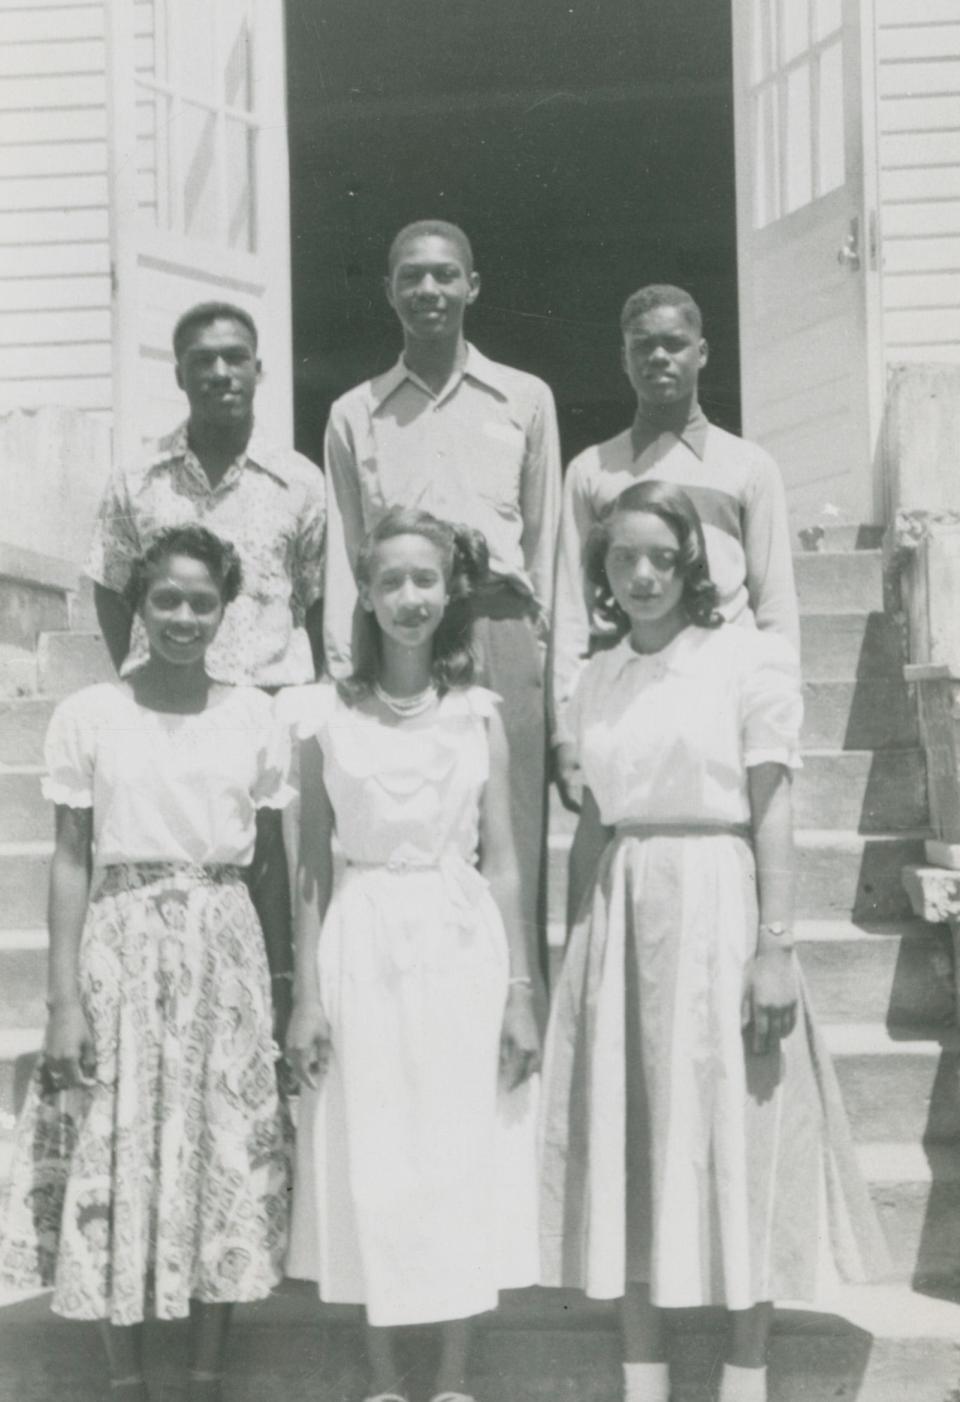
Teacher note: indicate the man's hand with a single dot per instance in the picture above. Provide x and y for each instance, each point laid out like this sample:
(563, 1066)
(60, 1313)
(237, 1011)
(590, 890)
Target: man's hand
(568, 776)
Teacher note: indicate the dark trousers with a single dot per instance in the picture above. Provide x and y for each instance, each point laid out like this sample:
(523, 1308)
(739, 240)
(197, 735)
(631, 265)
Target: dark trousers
(510, 664)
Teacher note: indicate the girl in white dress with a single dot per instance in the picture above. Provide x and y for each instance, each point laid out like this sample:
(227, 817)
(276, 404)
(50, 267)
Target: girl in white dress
(150, 1173)
(416, 1177)
(694, 1146)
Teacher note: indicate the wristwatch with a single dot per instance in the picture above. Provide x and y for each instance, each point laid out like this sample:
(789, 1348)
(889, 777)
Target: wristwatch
(781, 935)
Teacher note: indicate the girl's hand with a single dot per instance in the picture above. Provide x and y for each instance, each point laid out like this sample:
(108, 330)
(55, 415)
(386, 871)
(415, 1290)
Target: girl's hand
(281, 996)
(519, 1038)
(769, 1008)
(69, 1059)
(308, 1043)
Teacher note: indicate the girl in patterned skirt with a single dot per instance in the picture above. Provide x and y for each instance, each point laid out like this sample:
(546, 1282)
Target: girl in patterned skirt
(694, 1146)
(150, 1171)
(415, 1180)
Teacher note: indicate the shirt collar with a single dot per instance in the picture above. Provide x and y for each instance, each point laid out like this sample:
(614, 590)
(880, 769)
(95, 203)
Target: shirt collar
(475, 367)
(692, 432)
(259, 454)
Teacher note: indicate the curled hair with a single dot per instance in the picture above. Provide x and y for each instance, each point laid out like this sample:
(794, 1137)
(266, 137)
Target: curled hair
(197, 543)
(674, 507)
(427, 228)
(660, 294)
(465, 561)
(202, 315)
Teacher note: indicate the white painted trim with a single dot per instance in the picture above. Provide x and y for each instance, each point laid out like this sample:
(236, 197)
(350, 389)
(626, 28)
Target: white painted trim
(122, 177)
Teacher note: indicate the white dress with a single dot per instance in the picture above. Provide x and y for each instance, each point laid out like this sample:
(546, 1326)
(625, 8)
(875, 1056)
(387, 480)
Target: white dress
(416, 1178)
(670, 1154)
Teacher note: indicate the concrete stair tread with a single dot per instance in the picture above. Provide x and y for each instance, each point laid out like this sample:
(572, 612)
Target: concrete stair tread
(877, 1039)
(29, 937)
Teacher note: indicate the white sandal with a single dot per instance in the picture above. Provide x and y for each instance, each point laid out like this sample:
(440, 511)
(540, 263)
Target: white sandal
(385, 1397)
(453, 1397)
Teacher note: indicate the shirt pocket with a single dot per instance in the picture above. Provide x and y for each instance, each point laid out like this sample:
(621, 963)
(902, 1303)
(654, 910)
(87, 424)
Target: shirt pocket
(500, 445)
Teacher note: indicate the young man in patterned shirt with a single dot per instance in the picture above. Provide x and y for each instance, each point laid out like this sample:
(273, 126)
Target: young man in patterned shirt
(216, 469)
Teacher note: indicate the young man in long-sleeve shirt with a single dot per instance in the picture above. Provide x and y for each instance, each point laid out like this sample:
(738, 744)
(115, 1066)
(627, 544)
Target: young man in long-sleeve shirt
(475, 442)
(735, 485)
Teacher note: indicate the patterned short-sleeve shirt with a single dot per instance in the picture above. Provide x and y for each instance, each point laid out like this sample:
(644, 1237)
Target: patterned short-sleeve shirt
(270, 504)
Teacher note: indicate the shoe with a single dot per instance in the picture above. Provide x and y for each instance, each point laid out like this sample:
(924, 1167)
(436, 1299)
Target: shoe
(128, 1390)
(385, 1397)
(453, 1397)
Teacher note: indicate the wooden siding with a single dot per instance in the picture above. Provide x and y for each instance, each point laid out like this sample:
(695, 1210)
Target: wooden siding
(918, 58)
(55, 326)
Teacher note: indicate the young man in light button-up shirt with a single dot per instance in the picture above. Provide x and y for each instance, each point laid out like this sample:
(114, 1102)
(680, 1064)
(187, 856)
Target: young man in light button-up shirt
(472, 441)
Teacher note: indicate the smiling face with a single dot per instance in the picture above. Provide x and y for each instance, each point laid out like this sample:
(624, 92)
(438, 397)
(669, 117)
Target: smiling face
(643, 566)
(218, 371)
(181, 610)
(663, 356)
(429, 288)
(407, 591)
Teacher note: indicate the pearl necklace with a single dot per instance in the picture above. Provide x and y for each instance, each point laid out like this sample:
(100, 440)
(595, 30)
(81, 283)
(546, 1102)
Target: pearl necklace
(406, 706)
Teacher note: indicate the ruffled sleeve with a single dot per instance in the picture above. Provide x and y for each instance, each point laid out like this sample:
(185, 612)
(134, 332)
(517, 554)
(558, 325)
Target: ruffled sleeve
(69, 752)
(771, 702)
(272, 787)
(483, 702)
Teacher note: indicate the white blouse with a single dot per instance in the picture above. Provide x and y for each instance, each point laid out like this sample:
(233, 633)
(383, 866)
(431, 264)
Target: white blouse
(168, 788)
(668, 737)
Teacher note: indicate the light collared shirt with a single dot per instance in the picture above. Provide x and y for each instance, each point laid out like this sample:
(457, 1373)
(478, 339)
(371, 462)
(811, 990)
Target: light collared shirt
(270, 505)
(484, 453)
(737, 490)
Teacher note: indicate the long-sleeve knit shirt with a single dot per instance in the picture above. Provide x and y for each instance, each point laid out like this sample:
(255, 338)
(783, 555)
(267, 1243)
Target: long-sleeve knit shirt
(484, 452)
(738, 492)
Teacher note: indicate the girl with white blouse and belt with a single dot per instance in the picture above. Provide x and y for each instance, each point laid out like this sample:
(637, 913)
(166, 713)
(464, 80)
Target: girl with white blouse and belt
(150, 1172)
(413, 1027)
(694, 1146)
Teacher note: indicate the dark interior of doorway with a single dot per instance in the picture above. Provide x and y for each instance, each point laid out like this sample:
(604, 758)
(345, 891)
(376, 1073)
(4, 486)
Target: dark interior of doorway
(585, 145)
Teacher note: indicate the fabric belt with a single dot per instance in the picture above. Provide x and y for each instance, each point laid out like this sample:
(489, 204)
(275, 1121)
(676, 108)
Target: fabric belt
(129, 875)
(631, 829)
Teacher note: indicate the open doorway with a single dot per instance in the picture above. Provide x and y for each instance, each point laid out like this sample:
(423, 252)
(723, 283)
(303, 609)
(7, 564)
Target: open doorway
(586, 148)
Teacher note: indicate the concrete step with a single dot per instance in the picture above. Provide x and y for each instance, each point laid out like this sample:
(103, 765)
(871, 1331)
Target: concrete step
(24, 876)
(873, 1344)
(865, 790)
(899, 1085)
(877, 713)
(916, 1192)
(23, 724)
(844, 646)
(840, 874)
(840, 581)
(893, 973)
(24, 812)
(18, 670)
(67, 661)
(23, 978)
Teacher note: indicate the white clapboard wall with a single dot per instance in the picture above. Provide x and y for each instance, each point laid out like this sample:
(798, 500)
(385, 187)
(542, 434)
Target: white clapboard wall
(143, 168)
(918, 82)
(55, 314)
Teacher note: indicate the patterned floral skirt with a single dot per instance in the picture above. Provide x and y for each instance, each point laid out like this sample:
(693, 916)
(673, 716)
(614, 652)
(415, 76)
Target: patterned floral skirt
(168, 1179)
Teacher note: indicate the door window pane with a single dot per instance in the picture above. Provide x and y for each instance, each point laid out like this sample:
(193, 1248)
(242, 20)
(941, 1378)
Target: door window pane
(794, 29)
(240, 167)
(799, 172)
(829, 17)
(198, 146)
(830, 134)
(763, 38)
(766, 164)
(236, 55)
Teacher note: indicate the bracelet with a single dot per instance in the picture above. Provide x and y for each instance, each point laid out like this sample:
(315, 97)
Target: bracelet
(781, 937)
(286, 974)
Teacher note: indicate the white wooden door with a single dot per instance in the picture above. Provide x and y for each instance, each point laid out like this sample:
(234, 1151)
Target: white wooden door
(199, 195)
(810, 342)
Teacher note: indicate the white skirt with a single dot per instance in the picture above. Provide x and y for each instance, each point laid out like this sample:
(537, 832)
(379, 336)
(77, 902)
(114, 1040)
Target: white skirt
(415, 1190)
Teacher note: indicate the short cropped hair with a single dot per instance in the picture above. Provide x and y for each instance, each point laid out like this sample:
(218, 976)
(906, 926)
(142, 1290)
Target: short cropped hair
(660, 294)
(431, 228)
(202, 315)
(673, 506)
(197, 543)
